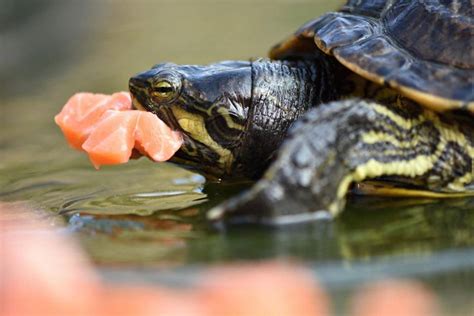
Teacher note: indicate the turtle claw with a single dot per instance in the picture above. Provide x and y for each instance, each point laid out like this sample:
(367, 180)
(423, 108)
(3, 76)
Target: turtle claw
(260, 205)
(248, 207)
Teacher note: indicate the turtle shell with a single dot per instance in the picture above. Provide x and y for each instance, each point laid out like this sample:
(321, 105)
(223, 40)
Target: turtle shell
(422, 48)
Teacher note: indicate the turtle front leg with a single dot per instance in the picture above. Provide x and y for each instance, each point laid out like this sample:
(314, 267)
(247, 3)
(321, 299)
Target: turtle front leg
(349, 141)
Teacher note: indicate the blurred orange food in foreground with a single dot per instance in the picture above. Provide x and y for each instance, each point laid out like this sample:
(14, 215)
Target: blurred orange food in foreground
(394, 298)
(44, 273)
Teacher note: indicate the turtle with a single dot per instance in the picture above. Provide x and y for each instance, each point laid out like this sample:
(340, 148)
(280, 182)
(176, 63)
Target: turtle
(375, 98)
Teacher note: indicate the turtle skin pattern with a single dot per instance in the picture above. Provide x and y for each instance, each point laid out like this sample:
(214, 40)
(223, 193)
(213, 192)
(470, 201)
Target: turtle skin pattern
(349, 141)
(420, 49)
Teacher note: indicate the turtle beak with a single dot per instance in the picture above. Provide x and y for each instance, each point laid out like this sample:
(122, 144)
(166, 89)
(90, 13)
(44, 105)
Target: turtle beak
(138, 81)
(138, 87)
(136, 105)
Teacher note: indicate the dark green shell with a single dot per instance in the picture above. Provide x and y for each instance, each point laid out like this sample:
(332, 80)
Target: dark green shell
(422, 48)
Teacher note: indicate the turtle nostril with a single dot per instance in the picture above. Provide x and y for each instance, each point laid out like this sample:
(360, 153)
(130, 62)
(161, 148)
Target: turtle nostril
(136, 83)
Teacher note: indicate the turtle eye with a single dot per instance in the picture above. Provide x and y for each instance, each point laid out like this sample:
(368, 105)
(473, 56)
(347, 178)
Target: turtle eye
(165, 87)
(164, 90)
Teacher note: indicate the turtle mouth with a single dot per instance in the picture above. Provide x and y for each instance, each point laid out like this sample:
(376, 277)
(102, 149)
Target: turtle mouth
(166, 115)
(136, 104)
(192, 154)
(141, 103)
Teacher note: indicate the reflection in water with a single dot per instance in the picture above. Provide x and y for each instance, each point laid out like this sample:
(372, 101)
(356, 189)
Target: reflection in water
(158, 240)
(375, 226)
(366, 230)
(139, 188)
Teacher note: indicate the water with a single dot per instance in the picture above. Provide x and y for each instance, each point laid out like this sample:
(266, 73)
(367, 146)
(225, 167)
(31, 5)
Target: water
(136, 217)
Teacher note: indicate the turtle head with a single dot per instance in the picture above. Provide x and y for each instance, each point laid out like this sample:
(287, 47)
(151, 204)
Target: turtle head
(208, 104)
(233, 115)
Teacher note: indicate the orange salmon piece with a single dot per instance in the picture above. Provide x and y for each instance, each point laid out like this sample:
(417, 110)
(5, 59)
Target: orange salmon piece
(107, 129)
(115, 136)
(155, 139)
(112, 141)
(83, 110)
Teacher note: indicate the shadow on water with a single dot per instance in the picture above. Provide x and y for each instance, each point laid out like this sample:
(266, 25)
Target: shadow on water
(145, 214)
